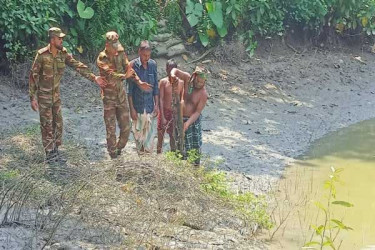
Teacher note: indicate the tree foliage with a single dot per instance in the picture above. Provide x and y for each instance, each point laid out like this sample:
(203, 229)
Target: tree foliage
(24, 23)
(214, 18)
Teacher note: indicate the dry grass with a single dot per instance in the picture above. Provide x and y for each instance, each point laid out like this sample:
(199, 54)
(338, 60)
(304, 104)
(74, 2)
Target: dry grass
(130, 202)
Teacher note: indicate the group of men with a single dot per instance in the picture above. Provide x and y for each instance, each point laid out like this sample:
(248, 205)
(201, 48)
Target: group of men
(145, 100)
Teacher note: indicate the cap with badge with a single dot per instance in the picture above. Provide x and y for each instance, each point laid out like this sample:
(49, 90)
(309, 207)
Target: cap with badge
(54, 31)
(112, 38)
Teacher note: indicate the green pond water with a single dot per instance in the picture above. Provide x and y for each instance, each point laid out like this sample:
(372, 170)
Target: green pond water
(352, 149)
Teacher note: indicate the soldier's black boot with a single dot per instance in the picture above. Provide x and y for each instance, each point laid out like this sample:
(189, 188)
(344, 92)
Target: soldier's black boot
(60, 157)
(51, 157)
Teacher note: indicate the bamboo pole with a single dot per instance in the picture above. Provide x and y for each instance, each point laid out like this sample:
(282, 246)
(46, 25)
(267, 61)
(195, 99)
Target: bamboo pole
(178, 123)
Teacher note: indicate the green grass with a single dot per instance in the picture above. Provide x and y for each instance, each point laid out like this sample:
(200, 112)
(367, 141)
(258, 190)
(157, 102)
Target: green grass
(254, 209)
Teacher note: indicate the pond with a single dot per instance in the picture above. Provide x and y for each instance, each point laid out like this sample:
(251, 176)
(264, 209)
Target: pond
(353, 150)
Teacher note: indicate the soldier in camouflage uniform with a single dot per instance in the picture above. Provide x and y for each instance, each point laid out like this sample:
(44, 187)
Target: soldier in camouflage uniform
(114, 66)
(44, 88)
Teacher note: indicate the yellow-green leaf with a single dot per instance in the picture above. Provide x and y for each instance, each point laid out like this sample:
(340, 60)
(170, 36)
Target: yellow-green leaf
(80, 49)
(343, 203)
(364, 21)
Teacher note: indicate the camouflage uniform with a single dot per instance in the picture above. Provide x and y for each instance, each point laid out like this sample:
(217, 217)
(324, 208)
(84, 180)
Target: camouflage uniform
(114, 98)
(44, 85)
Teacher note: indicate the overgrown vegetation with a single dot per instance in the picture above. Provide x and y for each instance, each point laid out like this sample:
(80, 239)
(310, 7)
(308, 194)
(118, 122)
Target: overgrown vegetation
(23, 24)
(253, 209)
(127, 203)
(250, 18)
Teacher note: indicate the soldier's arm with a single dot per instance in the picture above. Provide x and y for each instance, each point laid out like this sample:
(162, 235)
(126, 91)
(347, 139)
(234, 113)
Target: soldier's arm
(128, 67)
(80, 67)
(130, 73)
(106, 71)
(34, 76)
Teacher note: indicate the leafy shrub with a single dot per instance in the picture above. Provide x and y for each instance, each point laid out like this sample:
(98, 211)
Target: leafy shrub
(214, 19)
(342, 15)
(173, 17)
(132, 20)
(310, 14)
(266, 16)
(24, 23)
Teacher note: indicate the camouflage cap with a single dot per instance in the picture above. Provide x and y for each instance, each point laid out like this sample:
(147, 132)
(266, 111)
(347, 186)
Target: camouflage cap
(54, 31)
(112, 38)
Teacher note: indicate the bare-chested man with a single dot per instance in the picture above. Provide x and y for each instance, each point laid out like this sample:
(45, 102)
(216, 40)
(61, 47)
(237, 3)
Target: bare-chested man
(165, 117)
(195, 99)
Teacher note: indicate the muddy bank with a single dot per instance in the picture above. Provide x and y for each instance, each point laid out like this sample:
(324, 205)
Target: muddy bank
(262, 113)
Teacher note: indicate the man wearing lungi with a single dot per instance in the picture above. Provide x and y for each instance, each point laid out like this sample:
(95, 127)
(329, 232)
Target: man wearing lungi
(144, 105)
(195, 99)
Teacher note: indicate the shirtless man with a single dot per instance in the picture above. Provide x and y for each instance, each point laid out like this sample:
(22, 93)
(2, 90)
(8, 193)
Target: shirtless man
(165, 117)
(195, 99)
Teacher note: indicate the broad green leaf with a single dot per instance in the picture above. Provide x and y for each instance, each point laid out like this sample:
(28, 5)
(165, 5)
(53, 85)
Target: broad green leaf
(209, 7)
(343, 203)
(189, 7)
(223, 31)
(228, 10)
(69, 12)
(193, 20)
(80, 6)
(204, 39)
(85, 13)
(234, 17)
(73, 31)
(198, 10)
(261, 9)
(215, 12)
